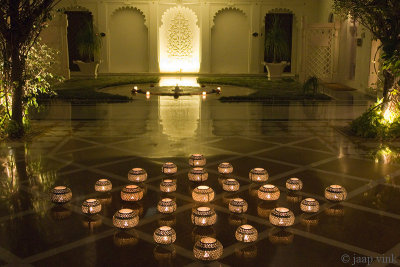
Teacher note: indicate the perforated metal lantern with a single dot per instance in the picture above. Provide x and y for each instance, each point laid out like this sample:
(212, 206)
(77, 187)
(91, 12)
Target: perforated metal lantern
(281, 217)
(61, 194)
(169, 168)
(91, 206)
(132, 193)
(258, 175)
(103, 185)
(294, 184)
(203, 193)
(203, 216)
(164, 235)
(208, 249)
(168, 185)
(309, 205)
(137, 175)
(198, 174)
(197, 160)
(225, 168)
(166, 205)
(230, 185)
(238, 205)
(335, 193)
(268, 192)
(246, 233)
(125, 218)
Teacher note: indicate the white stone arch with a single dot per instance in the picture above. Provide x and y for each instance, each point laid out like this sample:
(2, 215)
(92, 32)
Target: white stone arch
(128, 40)
(281, 10)
(219, 11)
(179, 41)
(134, 8)
(230, 41)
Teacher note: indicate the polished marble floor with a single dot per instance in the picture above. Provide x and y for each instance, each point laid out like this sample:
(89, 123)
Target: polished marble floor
(83, 143)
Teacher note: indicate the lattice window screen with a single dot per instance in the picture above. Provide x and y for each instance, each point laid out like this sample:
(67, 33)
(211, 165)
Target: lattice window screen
(319, 52)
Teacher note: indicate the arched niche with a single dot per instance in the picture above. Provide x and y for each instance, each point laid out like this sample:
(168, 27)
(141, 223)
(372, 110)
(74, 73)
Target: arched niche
(128, 41)
(179, 41)
(230, 38)
(293, 45)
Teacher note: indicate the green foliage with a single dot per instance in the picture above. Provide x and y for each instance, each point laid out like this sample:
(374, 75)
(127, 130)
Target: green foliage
(372, 124)
(266, 90)
(38, 79)
(276, 40)
(88, 89)
(88, 41)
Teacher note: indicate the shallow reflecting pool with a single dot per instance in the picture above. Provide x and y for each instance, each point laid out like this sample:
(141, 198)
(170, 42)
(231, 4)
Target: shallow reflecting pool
(82, 143)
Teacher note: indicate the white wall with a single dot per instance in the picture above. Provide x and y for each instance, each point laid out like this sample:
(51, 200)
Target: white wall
(128, 41)
(230, 42)
(226, 42)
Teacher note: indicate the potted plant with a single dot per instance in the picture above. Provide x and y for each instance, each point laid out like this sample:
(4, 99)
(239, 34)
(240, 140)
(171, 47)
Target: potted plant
(277, 45)
(88, 44)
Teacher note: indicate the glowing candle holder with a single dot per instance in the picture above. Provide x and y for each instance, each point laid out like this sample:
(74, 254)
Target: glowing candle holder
(132, 193)
(268, 192)
(91, 206)
(148, 94)
(294, 184)
(238, 205)
(137, 175)
(169, 168)
(203, 193)
(197, 160)
(225, 168)
(208, 249)
(166, 205)
(125, 218)
(258, 175)
(204, 93)
(218, 90)
(164, 235)
(103, 185)
(335, 193)
(198, 175)
(309, 205)
(230, 185)
(168, 185)
(281, 217)
(203, 216)
(61, 194)
(246, 233)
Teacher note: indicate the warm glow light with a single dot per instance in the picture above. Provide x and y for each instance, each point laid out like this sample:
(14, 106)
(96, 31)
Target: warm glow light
(147, 94)
(179, 41)
(181, 81)
(204, 93)
(389, 116)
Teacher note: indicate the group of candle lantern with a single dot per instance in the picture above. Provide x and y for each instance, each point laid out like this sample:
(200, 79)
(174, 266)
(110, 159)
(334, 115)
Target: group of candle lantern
(207, 248)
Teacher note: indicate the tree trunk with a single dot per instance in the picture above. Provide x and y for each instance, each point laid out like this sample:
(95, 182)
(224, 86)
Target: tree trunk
(17, 83)
(390, 100)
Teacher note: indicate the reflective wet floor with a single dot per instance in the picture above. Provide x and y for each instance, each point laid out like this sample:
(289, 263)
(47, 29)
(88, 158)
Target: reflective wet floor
(82, 143)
